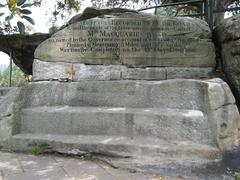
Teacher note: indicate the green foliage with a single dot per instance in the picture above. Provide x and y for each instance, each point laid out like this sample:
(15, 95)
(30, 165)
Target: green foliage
(69, 4)
(18, 77)
(28, 19)
(38, 149)
(21, 2)
(21, 27)
(63, 8)
(16, 9)
(53, 29)
(166, 11)
(237, 175)
(88, 156)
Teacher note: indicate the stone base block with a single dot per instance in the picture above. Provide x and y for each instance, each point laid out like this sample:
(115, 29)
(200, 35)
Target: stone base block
(182, 120)
(172, 125)
(43, 71)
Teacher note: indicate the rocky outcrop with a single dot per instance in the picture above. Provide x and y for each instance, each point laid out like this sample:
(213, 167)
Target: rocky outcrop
(7, 105)
(126, 46)
(130, 99)
(227, 37)
(181, 122)
(22, 47)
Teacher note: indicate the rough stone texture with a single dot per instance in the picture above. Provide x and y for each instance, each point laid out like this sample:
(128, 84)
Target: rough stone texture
(85, 72)
(53, 71)
(116, 146)
(43, 71)
(227, 38)
(23, 47)
(19, 166)
(132, 39)
(186, 169)
(186, 73)
(136, 94)
(8, 164)
(227, 30)
(191, 98)
(7, 103)
(144, 73)
(182, 121)
(225, 114)
(190, 126)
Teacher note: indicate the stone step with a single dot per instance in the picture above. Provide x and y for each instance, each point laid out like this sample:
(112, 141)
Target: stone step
(172, 125)
(118, 146)
(177, 94)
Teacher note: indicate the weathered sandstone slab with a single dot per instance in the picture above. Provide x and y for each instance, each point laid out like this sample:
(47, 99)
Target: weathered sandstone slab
(132, 39)
(45, 71)
(142, 103)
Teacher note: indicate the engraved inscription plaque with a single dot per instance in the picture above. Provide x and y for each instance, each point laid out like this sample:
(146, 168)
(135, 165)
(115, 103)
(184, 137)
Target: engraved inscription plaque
(132, 40)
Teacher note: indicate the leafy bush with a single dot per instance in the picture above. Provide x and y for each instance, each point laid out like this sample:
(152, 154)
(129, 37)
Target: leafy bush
(237, 175)
(38, 150)
(18, 9)
(18, 77)
(88, 156)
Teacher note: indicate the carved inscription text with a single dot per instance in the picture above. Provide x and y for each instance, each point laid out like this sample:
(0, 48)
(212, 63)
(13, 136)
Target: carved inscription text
(118, 37)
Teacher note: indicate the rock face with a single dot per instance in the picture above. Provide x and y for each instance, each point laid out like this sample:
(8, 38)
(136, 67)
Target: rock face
(7, 101)
(23, 47)
(190, 121)
(132, 39)
(211, 111)
(125, 46)
(227, 37)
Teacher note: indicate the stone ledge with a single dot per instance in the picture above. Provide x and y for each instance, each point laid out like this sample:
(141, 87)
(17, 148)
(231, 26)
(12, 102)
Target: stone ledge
(43, 71)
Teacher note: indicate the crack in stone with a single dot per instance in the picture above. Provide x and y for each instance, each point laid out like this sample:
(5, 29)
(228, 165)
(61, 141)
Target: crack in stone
(229, 40)
(224, 105)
